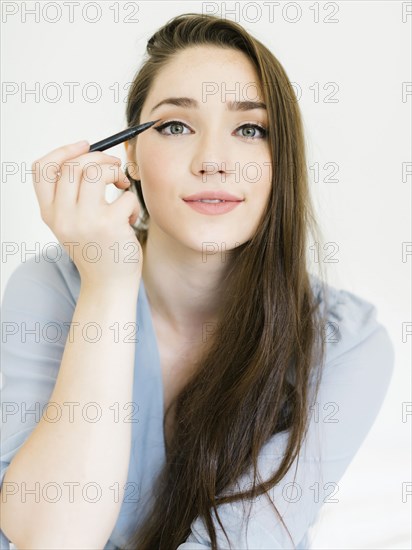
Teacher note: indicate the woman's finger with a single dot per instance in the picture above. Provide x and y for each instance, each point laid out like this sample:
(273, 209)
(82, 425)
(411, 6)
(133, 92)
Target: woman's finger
(126, 206)
(85, 167)
(92, 189)
(46, 170)
(49, 169)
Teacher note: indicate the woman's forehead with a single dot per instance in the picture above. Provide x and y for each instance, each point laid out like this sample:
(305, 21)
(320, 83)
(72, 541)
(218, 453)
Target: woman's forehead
(194, 65)
(196, 80)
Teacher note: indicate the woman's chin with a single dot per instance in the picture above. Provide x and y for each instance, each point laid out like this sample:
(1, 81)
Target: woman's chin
(210, 245)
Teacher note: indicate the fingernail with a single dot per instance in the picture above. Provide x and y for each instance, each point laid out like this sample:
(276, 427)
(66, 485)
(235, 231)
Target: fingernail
(82, 143)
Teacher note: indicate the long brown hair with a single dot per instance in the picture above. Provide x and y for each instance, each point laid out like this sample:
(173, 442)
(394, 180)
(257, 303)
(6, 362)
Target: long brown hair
(253, 381)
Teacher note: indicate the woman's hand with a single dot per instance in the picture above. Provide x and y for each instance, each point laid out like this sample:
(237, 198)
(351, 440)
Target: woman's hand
(70, 186)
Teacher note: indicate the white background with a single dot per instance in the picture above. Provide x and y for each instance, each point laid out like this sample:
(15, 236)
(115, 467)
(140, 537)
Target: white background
(367, 133)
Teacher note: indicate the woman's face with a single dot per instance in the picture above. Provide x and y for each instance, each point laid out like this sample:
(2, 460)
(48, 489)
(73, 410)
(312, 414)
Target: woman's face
(204, 149)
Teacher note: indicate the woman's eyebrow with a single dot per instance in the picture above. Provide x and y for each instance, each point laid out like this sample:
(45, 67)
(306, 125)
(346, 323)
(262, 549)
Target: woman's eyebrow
(190, 103)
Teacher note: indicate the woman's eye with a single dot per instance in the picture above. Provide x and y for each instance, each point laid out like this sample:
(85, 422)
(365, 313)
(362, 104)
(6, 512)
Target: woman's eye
(173, 124)
(254, 127)
(176, 129)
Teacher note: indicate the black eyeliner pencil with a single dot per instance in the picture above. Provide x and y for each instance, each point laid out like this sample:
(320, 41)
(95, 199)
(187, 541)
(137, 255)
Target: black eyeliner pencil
(130, 133)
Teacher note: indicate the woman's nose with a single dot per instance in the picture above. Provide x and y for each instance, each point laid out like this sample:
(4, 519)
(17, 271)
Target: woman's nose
(212, 167)
(211, 157)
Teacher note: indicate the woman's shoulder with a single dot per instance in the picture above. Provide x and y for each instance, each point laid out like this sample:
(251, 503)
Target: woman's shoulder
(352, 327)
(349, 320)
(43, 278)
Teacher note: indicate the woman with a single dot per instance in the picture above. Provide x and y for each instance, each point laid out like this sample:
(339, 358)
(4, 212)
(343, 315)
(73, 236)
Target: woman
(255, 383)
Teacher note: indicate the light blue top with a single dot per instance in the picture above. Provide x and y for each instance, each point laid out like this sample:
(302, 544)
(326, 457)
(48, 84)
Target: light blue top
(357, 373)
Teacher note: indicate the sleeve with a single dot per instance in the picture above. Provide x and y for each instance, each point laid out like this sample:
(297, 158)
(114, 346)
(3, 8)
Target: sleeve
(37, 309)
(357, 372)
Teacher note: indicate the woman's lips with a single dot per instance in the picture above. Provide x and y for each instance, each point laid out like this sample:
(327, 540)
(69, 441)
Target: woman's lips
(213, 194)
(213, 208)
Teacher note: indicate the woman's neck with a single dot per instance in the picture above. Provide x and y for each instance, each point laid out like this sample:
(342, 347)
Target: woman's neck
(183, 290)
